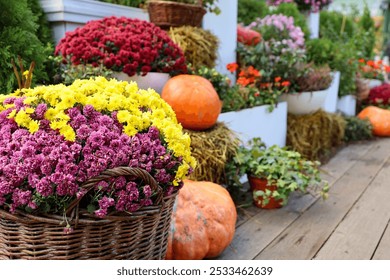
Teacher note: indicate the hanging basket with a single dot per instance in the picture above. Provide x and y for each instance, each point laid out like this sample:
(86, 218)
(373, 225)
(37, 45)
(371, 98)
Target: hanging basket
(167, 14)
(140, 235)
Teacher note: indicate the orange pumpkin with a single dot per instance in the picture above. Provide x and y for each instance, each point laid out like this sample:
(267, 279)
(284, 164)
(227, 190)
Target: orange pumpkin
(203, 222)
(247, 36)
(194, 100)
(379, 118)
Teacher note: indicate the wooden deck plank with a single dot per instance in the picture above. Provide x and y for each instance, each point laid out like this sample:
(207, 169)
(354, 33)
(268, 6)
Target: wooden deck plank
(358, 235)
(258, 231)
(306, 235)
(383, 250)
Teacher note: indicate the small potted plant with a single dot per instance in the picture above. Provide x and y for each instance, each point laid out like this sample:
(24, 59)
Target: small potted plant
(311, 85)
(275, 172)
(129, 47)
(373, 71)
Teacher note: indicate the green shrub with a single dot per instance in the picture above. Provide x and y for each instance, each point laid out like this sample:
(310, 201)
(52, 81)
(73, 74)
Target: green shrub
(321, 51)
(357, 129)
(43, 32)
(18, 31)
(365, 37)
(250, 10)
(337, 26)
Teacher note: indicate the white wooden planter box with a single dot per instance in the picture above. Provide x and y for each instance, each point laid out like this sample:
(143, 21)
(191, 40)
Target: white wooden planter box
(347, 105)
(67, 15)
(330, 104)
(271, 127)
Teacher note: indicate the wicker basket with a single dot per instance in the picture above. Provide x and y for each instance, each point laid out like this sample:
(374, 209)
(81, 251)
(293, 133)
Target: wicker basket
(141, 235)
(166, 14)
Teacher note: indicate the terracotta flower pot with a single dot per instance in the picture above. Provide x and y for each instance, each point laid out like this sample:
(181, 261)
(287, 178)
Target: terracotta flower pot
(257, 184)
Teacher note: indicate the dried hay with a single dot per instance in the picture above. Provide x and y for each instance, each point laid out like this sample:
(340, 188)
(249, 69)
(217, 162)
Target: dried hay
(315, 135)
(199, 46)
(212, 148)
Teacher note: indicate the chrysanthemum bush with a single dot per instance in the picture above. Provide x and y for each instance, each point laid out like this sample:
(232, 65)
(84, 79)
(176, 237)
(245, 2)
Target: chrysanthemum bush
(54, 138)
(126, 45)
(281, 49)
(281, 31)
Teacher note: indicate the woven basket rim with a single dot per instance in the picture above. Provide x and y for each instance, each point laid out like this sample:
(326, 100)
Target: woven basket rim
(176, 4)
(83, 217)
(87, 218)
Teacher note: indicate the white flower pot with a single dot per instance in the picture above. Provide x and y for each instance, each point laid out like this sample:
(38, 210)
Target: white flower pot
(330, 104)
(152, 80)
(271, 127)
(304, 102)
(347, 105)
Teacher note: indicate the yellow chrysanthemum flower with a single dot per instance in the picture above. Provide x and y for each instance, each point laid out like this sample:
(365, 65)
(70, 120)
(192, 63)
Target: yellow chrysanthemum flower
(68, 132)
(33, 126)
(136, 109)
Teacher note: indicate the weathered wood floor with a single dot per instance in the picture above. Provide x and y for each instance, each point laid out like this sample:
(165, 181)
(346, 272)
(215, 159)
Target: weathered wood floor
(353, 223)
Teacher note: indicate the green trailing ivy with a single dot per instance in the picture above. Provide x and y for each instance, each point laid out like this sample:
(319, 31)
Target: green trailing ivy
(285, 169)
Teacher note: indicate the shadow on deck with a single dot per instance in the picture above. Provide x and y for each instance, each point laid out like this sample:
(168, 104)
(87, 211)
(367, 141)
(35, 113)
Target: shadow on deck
(351, 224)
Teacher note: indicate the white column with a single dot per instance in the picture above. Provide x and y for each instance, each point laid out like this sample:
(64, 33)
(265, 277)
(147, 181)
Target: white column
(313, 20)
(224, 26)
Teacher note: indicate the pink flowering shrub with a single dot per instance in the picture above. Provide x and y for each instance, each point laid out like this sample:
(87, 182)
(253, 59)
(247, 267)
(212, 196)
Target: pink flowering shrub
(281, 49)
(43, 165)
(126, 45)
(280, 31)
(311, 5)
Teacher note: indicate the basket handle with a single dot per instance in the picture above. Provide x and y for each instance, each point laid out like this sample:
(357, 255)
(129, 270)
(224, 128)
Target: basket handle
(117, 172)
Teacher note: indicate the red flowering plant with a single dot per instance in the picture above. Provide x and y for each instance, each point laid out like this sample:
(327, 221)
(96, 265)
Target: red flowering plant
(371, 69)
(256, 90)
(122, 44)
(379, 96)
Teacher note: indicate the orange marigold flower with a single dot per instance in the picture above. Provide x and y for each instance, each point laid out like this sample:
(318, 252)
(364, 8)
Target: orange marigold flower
(232, 67)
(277, 79)
(361, 60)
(265, 85)
(243, 81)
(242, 73)
(286, 83)
(253, 71)
(371, 63)
(256, 94)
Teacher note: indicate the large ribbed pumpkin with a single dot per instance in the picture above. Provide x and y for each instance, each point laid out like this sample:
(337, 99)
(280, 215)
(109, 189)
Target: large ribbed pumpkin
(379, 118)
(203, 222)
(194, 100)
